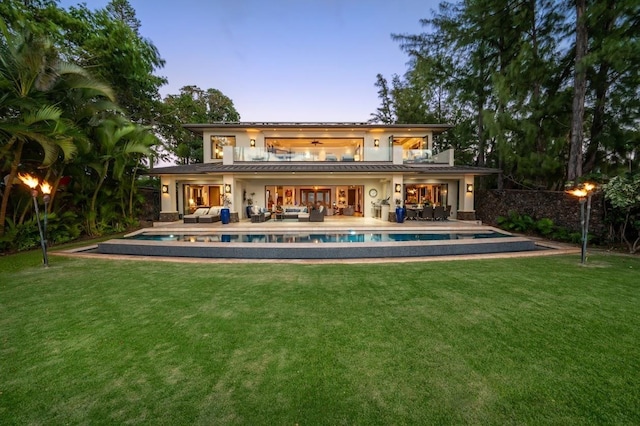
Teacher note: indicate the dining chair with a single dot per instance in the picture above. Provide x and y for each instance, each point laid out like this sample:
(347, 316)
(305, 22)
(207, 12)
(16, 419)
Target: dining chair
(438, 213)
(427, 213)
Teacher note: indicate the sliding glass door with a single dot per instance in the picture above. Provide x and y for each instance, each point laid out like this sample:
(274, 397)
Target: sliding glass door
(311, 196)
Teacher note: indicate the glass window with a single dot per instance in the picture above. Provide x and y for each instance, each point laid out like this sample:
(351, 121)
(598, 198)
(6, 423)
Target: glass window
(218, 142)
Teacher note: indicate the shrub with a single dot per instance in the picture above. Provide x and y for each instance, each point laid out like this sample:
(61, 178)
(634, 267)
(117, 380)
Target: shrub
(544, 226)
(26, 236)
(516, 222)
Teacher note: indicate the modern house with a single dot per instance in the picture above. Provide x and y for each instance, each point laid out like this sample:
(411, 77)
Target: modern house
(349, 168)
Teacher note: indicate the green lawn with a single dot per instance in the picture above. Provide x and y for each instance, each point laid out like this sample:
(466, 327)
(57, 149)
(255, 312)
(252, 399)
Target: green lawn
(516, 341)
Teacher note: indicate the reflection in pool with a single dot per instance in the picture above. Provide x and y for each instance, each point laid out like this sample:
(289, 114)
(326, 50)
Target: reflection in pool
(337, 237)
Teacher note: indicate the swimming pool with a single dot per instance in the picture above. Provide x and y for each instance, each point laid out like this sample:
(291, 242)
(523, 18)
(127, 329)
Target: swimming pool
(329, 244)
(350, 236)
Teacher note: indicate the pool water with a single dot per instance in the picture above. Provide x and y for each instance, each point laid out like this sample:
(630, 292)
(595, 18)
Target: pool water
(338, 237)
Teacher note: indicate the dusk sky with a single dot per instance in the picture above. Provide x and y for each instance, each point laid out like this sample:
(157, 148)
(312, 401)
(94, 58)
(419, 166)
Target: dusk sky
(282, 60)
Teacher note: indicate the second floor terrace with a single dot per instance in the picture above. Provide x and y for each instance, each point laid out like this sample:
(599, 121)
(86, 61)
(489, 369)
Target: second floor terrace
(231, 143)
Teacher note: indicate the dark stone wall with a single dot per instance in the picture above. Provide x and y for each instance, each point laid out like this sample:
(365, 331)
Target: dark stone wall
(562, 208)
(150, 210)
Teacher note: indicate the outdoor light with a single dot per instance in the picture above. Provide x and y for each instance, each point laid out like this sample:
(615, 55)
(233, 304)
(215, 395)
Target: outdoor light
(584, 195)
(32, 182)
(469, 187)
(376, 143)
(252, 142)
(165, 189)
(227, 189)
(398, 187)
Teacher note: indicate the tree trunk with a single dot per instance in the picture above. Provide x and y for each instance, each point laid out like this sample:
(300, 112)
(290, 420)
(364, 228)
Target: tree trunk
(17, 156)
(93, 214)
(597, 124)
(574, 170)
(133, 184)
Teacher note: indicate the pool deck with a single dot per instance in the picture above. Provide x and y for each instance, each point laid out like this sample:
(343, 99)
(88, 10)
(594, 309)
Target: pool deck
(332, 223)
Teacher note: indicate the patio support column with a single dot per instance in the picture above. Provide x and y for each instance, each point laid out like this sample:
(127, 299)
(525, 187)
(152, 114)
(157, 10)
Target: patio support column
(235, 195)
(168, 212)
(397, 180)
(467, 193)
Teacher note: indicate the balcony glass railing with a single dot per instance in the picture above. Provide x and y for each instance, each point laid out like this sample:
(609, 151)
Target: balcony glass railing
(419, 156)
(322, 154)
(315, 154)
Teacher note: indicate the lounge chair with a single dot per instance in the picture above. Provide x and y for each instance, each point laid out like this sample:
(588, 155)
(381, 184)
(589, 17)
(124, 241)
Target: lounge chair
(193, 218)
(212, 216)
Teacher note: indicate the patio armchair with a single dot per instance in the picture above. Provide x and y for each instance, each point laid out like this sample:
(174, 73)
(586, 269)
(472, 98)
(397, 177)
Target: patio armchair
(348, 157)
(259, 214)
(317, 215)
(438, 213)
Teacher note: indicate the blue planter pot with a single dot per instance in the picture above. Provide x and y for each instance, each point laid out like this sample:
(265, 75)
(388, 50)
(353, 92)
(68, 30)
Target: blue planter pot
(400, 214)
(225, 216)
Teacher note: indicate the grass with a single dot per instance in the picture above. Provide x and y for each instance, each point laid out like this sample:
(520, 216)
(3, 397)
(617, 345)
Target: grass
(510, 341)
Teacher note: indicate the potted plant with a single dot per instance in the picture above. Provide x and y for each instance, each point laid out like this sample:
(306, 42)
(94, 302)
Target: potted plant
(399, 211)
(384, 209)
(249, 204)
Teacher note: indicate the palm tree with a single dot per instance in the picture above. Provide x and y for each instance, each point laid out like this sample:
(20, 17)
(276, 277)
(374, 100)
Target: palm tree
(32, 79)
(119, 143)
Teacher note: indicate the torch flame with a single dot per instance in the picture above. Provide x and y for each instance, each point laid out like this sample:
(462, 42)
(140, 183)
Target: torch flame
(578, 193)
(589, 187)
(45, 187)
(27, 179)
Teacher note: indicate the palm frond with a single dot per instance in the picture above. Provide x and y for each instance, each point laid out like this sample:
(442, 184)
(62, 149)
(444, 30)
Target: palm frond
(46, 113)
(49, 146)
(84, 81)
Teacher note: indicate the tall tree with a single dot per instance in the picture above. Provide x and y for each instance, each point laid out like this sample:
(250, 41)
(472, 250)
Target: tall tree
(574, 168)
(121, 10)
(613, 101)
(118, 55)
(384, 112)
(193, 105)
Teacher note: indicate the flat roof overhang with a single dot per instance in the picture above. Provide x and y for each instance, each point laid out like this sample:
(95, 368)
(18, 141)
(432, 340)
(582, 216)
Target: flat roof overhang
(314, 168)
(294, 126)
